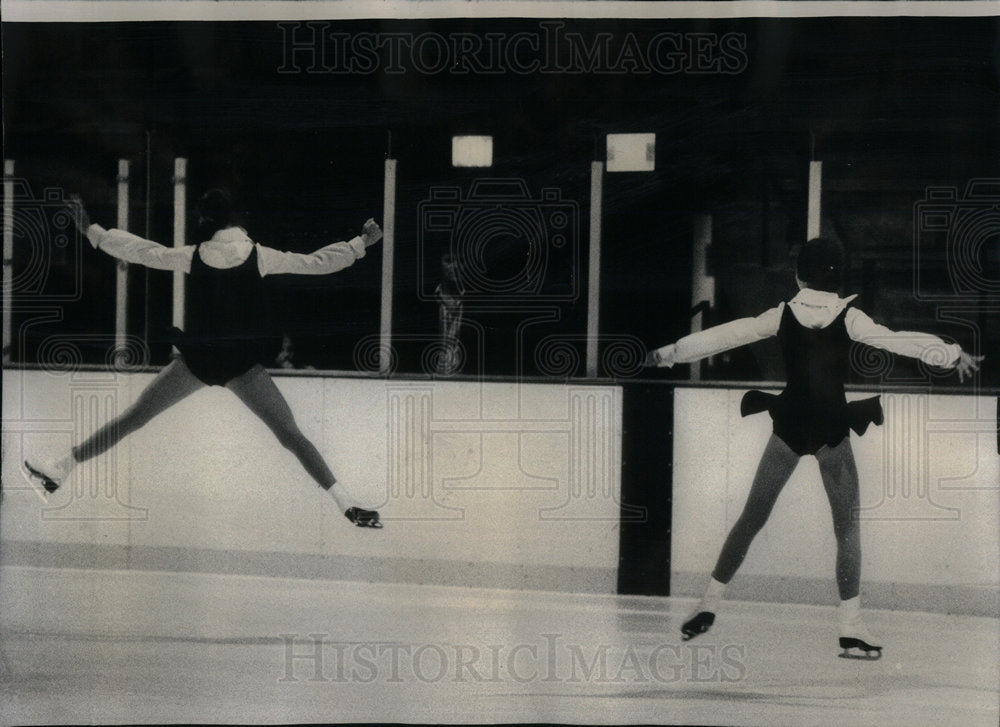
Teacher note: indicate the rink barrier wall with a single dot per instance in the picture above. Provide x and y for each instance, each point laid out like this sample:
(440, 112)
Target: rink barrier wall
(230, 512)
(489, 484)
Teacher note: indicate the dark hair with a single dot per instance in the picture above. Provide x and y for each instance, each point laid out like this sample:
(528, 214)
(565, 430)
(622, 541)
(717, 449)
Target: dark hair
(215, 210)
(820, 264)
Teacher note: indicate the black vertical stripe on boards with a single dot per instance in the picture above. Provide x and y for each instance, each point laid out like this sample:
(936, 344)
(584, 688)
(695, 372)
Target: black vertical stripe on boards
(646, 489)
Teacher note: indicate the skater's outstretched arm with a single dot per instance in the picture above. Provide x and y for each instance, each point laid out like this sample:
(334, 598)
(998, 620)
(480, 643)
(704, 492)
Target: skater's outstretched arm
(329, 259)
(128, 247)
(927, 347)
(717, 339)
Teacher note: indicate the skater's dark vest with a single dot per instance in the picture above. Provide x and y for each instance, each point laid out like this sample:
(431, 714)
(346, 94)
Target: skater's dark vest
(812, 411)
(227, 325)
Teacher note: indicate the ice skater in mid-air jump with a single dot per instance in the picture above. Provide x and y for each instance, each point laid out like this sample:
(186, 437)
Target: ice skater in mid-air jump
(225, 342)
(811, 416)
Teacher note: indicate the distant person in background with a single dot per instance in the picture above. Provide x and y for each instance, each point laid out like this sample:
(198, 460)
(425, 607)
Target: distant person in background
(224, 343)
(811, 417)
(449, 294)
(286, 358)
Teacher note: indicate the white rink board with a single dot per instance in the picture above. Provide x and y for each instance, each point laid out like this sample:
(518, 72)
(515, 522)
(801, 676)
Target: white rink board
(461, 471)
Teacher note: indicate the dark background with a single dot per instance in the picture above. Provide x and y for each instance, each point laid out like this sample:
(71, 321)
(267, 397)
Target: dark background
(891, 106)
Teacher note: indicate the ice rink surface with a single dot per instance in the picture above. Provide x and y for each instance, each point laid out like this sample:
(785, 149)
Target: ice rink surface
(99, 646)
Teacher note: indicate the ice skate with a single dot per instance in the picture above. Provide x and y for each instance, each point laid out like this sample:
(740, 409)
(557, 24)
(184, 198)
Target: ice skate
(46, 477)
(358, 515)
(857, 643)
(855, 640)
(704, 614)
(698, 624)
(363, 518)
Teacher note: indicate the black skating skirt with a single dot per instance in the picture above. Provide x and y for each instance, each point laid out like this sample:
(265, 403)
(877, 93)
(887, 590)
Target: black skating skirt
(806, 430)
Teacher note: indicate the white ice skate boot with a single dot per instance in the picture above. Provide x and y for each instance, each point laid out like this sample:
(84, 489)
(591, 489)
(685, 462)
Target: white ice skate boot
(47, 476)
(854, 635)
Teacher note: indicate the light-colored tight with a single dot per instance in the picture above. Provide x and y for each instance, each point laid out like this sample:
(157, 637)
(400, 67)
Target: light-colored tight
(840, 480)
(255, 388)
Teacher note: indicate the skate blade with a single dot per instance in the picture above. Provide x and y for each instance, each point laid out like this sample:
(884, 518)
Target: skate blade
(873, 655)
(697, 625)
(862, 654)
(690, 633)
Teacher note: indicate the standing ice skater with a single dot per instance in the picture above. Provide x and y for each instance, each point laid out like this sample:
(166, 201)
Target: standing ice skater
(811, 416)
(226, 339)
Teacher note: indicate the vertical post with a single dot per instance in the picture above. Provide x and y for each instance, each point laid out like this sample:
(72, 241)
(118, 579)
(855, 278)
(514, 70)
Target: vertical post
(815, 197)
(8, 253)
(147, 232)
(594, 269)
(388, 251)
(121, 277)
(180, 217)
(702, 284)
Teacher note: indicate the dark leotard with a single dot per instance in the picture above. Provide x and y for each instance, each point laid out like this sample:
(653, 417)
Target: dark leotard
(813, 411)
(226, 330)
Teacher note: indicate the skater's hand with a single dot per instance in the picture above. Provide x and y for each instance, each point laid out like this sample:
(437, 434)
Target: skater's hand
(371, 233)
(661, 357)
(78, 213)
(967, 365)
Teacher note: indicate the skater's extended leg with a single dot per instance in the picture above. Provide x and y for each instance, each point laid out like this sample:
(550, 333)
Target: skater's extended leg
(776, 466)
(171, 385)
(840, 480)
(257, 390)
